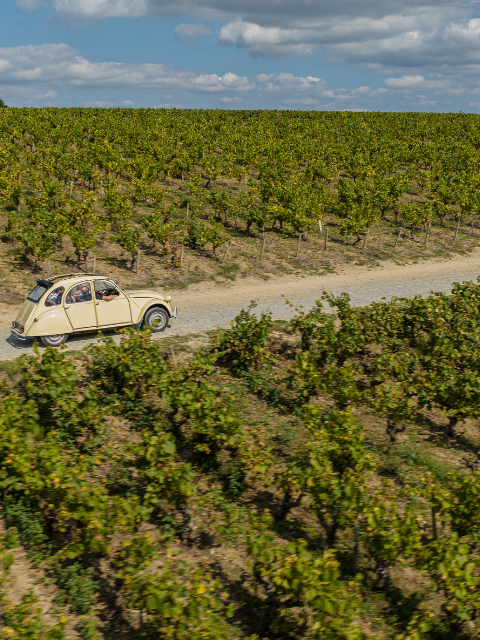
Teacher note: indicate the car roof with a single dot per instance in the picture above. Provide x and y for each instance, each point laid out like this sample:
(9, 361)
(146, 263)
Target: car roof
(76, 276)
(70, 279)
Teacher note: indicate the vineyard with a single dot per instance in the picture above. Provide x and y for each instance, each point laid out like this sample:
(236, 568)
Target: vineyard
(312, 479)
(175, 197)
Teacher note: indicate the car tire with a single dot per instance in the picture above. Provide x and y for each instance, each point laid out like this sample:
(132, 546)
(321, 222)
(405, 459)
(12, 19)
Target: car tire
(157, 316)
(54, 341)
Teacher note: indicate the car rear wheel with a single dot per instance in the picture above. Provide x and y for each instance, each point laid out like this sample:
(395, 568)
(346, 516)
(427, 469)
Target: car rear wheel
(54, 341)
(157, 318)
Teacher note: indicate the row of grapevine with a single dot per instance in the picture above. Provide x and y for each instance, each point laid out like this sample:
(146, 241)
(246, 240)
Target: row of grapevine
(130, 174)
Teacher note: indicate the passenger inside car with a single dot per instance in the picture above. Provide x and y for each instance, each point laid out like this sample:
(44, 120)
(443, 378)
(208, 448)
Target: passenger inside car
(79, 293)
(55, 297)
(82, 293)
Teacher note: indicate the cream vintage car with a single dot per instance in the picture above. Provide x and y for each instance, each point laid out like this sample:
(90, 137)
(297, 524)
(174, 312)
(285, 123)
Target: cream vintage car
(83, 302)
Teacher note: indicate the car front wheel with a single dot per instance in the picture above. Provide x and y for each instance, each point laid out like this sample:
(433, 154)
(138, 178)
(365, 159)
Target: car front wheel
(157, 318)
(54, 341)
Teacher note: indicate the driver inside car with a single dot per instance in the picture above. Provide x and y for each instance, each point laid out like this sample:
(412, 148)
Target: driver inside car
(105, 291)
(99, 295)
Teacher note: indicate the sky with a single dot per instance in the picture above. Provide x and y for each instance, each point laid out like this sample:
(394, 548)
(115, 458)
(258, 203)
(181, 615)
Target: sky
(359, 55)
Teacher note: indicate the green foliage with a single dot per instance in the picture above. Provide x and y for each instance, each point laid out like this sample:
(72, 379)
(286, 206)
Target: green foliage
(245, 344)
(454, 570)
(77, 587)
(300, 581)
(129, 238)
(24, 621)
(52, 382)
(389, 535)
(180, 601)
(131, 368)
(211, 414)
(158, 230)
(334, 464)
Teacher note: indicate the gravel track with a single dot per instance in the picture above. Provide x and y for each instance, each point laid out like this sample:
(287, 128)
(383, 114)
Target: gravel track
(210, 305)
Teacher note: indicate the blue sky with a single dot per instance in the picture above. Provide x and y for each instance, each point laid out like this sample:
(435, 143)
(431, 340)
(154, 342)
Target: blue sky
(303, 54)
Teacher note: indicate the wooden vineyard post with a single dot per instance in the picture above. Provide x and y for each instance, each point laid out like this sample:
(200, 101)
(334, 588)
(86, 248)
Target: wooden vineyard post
(94, 265)
(472, 229)
(326, 239)
(174, 359)
(456, 230)
(298, 244)
(226, 252)
(138, 261)
(427, 234)
(263, 248)
(43, 269)
(398, 237)
(356, 547)
(246, 184)
(366, 238)
(320, 226)
(181, 256)
(188, 209)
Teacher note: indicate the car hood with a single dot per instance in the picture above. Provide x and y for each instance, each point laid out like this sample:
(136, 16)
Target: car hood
(143, 293)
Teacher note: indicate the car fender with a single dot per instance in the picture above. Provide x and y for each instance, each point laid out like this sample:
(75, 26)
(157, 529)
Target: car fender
(51, 322)
(153, 303)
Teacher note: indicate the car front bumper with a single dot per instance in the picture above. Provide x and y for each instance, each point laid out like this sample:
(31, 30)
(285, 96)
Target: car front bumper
(174, 312)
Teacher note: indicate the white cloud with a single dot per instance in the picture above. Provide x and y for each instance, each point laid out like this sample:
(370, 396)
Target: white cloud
(191, 32)
(93, 10)
(437, 42)
(39, 71)
(232, 100)
(52, 73)
(58, 65)
(417, 83)
(267, 41)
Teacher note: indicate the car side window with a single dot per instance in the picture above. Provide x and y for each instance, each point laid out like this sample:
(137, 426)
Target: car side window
(105, 288)
(55, 297)
(79, 293)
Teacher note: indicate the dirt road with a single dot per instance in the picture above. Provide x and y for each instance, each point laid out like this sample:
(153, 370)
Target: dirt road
(212, 304)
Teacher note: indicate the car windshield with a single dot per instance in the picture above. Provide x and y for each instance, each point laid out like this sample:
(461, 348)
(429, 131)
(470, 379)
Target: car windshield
(36, 293)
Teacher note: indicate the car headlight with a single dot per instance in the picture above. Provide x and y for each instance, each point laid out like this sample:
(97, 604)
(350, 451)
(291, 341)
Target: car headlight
(168, 298)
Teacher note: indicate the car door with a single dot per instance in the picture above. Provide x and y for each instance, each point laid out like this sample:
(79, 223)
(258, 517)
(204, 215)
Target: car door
(111, 312)
(80, 306)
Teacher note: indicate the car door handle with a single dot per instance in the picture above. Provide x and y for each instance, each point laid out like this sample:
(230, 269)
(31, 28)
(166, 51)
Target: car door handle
(67, 306)
(97, 303)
